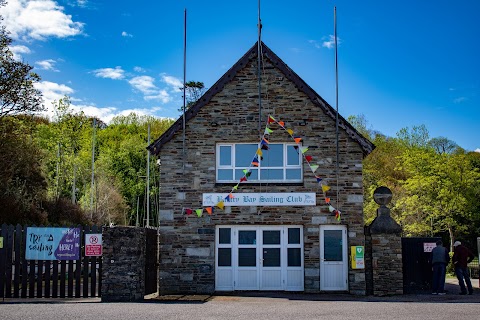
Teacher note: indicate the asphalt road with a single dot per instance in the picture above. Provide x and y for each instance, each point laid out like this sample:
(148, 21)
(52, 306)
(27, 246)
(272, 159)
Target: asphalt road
(253, 305)
(243, 308)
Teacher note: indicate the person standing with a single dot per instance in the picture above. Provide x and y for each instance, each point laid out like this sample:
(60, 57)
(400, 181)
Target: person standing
(461, 257)
(440, 259)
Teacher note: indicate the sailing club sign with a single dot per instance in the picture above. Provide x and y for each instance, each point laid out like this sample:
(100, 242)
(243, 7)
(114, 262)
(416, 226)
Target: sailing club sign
(52, 244)
(261, 199)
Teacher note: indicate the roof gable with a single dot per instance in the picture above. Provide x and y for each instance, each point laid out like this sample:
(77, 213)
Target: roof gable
(317, 100)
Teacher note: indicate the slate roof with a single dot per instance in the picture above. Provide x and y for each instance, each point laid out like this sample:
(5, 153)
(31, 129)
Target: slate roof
(251, 54)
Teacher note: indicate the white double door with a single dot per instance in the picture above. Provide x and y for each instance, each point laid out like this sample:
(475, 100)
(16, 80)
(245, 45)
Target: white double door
(333, 258)
(259, 258)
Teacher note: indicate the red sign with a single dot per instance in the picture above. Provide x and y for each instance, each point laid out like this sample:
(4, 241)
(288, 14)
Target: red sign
(93, 250)
(93, 245)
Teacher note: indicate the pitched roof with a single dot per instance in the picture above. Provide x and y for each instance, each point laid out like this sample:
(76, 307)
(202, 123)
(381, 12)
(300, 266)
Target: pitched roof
(251, 54)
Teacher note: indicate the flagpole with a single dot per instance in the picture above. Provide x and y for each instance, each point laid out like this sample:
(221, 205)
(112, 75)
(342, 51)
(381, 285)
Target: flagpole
(184, 80)
(336, 98)
(259, 72)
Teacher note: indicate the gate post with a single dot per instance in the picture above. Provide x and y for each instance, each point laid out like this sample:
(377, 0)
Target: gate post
(123, 266)
(386, 248)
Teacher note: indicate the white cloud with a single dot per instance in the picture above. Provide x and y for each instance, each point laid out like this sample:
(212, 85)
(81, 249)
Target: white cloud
(328, 42)
(125, 34)
(52, 92)
(460, 100)
(315, 43)
(48, 64)
(110, 73)
(477, 150)
(144, 84)
(139, 69)
(173, 82)
(82, 3)
(18, 50)
(162, 95)
(38, 19)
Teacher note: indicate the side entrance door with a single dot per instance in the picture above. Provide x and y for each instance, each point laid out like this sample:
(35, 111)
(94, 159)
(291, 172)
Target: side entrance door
(333, 258)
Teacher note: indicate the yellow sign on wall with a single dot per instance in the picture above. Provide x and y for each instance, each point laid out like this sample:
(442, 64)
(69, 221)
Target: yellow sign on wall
(357, 254)
(1, 242)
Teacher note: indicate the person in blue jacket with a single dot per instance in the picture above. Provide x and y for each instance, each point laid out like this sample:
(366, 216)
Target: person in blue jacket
(440, 259)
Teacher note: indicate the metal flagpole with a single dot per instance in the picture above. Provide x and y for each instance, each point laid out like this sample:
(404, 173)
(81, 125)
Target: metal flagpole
(336, 97)
(93, 169)
(184, 81)
(259, 72)
(148, 180)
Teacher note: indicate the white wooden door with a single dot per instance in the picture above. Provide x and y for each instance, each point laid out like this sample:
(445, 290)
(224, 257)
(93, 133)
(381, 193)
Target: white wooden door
(259, 258)
(333, 258)
(271, 264)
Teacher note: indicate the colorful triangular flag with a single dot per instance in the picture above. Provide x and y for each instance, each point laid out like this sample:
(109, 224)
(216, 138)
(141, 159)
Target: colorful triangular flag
(199, 212)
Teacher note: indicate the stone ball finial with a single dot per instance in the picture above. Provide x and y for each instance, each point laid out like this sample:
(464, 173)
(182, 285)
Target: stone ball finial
(382, 195)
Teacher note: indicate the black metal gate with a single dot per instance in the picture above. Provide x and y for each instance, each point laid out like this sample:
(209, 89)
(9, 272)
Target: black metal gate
(151, 261)
(417, 267)
(21, 278)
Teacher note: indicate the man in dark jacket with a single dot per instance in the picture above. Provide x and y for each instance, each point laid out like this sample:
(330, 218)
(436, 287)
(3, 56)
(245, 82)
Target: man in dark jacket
(440, 259)
(461, 257)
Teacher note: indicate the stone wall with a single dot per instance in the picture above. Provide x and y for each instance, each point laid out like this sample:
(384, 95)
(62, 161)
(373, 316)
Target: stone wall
(187, 243)
(123, 266)
(387, 264)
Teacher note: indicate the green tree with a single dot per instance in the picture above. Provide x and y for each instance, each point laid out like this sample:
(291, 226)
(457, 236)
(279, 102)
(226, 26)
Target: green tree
(193, 91)
(17, 91)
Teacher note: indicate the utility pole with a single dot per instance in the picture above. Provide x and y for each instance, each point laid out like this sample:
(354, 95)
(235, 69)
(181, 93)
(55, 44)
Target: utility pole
(93, 169)
(148, 179)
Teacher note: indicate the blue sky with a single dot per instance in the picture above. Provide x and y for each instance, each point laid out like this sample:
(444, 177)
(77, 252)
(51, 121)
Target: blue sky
(401, 63)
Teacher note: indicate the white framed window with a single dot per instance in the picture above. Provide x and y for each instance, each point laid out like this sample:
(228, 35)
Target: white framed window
(282, 162)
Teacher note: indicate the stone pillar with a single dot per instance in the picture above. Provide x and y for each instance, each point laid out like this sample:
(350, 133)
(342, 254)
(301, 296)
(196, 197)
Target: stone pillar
(386, 243)
(123, 265)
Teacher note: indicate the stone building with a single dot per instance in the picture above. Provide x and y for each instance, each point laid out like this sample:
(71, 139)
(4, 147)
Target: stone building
(252, 200)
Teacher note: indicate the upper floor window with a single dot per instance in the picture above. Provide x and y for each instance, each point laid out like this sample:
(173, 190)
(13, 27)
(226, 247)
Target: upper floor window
(282, 162)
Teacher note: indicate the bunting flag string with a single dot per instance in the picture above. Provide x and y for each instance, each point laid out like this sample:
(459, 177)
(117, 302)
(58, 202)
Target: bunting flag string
(258, 157)
(313, 167)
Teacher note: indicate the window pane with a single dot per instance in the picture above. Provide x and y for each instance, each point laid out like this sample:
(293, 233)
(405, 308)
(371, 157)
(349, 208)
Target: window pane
(244, 154)
(225, 155)
(273, 157)
(224, 257)
(271, 257)
(294, 257)
(294, 235)
(294, 174)
(293, 156)
(224, 236)
(271, 174)
(247, 237)
(271, 237)
(225, 174)
(332, 242)
(239, 174)
(247, 257)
